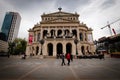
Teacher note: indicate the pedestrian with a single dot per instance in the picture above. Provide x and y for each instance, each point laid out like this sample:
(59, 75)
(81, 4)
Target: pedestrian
(63, 59)
(24, 55)
(68, 58)
(71, 57)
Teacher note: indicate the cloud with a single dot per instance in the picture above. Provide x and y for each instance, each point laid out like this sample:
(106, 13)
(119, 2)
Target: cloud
(108, 3)
(71, 5)
(95, 13)
(26, 4)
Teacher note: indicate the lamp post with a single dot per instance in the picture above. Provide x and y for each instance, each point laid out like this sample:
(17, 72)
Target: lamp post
(41, 42)
(76, 42)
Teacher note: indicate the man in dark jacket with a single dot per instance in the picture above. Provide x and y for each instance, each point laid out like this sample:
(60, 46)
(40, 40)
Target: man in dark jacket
(63, 59)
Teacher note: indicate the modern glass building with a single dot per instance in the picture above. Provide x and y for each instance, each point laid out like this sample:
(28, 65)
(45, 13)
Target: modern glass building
(11, 25)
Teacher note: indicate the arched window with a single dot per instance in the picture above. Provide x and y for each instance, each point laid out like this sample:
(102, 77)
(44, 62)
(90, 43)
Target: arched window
(67, 32)
(59, 32)
(52, 33)
(81, 36)
(74, 32)
(45, 33)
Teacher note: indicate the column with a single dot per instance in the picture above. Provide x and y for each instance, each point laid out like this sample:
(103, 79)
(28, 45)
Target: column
(70, 32)
(36, 36)
(63, 32)
(83, 35)
(48, 32)
(54, 49)
(56, 32)
(79, 49)
(77, 33)
(64, 47)
(41, 37)
(73, 48)
(86, 36)
(44, 49)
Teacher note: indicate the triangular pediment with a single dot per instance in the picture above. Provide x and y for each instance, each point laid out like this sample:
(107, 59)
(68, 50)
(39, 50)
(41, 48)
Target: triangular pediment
(60, 13)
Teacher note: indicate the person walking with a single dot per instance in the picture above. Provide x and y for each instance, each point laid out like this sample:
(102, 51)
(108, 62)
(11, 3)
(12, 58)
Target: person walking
(71, 57)
(63, 59)
(68, 58)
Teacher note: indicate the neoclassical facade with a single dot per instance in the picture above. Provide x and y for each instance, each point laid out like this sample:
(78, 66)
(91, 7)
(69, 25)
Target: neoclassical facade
(60, 32)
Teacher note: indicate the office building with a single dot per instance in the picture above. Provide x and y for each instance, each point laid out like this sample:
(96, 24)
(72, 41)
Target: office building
(11, 25)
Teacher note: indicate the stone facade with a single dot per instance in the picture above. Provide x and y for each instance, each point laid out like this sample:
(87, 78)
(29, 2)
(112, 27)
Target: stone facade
(60, 32)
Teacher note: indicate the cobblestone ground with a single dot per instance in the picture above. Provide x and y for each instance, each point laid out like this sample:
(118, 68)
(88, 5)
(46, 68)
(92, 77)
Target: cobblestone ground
(15, 68)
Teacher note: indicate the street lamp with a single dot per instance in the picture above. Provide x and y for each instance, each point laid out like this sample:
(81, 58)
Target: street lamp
(41, 42)
(76, 42)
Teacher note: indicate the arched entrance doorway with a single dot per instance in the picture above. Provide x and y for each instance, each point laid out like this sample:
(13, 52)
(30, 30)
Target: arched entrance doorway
(82, 50)
(69, 48)
(37, 49)
(59, 49)
(50, 49)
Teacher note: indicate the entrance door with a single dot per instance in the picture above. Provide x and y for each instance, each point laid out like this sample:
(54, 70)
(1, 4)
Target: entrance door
(82, 50)
(50, 49)
(68, 48)
(59, 49)
(37, 49)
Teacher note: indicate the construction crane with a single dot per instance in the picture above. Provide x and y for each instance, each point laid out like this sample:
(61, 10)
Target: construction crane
(108, 25)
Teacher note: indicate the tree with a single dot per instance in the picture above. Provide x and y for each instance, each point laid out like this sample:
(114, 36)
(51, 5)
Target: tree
(11, 48)
(19, 46)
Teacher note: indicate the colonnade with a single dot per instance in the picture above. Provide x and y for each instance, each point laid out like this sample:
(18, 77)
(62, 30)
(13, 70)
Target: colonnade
(54, 33)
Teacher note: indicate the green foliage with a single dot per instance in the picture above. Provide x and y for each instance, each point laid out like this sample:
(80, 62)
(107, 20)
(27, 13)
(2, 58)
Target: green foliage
(18, 46)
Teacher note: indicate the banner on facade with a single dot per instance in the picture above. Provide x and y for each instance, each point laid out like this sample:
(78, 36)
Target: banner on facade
(30, 39)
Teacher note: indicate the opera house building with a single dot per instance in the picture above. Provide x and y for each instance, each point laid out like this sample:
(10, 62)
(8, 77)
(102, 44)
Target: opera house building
(60, 32)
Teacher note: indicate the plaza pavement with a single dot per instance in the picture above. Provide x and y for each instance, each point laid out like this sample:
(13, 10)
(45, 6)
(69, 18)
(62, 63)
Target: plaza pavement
(15, 68)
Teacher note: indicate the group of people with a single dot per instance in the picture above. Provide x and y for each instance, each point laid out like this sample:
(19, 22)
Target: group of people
(69, 58)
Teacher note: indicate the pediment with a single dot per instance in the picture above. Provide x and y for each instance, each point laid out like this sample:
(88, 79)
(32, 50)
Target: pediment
(60, 14)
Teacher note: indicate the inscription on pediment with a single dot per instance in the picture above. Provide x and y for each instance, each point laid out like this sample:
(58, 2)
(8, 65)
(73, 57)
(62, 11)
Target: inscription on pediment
(60, 20)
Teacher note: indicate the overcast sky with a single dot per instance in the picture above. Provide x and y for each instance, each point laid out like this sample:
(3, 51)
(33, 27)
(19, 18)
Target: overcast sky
(94, 13)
